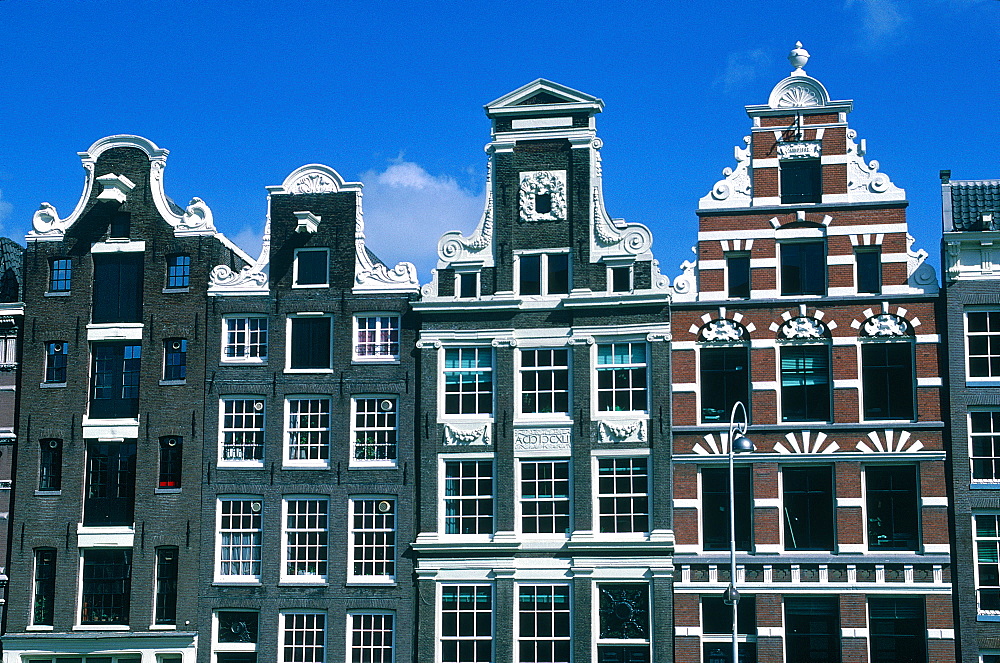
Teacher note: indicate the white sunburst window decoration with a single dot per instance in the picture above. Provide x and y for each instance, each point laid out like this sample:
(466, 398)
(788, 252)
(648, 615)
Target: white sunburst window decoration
(543, 195)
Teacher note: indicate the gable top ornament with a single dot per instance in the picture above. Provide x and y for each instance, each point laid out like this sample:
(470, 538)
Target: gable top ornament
(799, 90)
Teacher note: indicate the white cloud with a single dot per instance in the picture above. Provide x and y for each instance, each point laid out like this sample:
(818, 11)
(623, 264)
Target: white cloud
(879, 19)
(407, 209)
(250, 239)
(742, 69)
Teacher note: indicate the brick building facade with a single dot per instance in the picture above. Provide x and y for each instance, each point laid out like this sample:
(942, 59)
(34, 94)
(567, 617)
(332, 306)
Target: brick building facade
(807, 303)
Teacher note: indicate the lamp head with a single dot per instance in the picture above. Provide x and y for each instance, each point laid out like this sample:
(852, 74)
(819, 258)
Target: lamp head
(743, 444)
(730, 596)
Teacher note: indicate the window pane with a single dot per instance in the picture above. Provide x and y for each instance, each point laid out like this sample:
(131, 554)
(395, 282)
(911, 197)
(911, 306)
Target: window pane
(725, 379)
(545, 501)
(558, 274)
(468, 503)
(43, 610)
(623, 494)
(803, 268)
(530, 268)
(887, 380)
(805, 383)
(717, 616)
(115, 380)
(171, 448)
(308, 431)
(869, 271)
(466, 623)
(812, 630)
(50, 464)
(60, 274)
(984, 438)
(375, 429)
(242, 429)
(306, 538)
(801, 181)
(178, 271)
(373, 538)
(897, 630)
(378, 336)
(245, 339)
(309, 347)
(543, 618)
(166, 585)
(239, 537)
(117, 287)
(311, 267)
(808, 508)
(715, 507)
(624, 611)
(738, 274)
(107, 583)
(892, 507)
(109, 494)
(372, 638)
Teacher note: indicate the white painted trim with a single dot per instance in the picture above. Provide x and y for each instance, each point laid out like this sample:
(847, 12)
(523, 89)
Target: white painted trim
(939, 548)
(930, 382)
(760, 233)
(847, 384)
(685, 387)
(854, 632)
(118, 247)
(689, 631)
(940, 634)
(933, 501)
(115, 331)
(687, 503)
(770, 631)
(851, 548)
(767, 502)
(541, 122)
(764, 386)
(851, 502)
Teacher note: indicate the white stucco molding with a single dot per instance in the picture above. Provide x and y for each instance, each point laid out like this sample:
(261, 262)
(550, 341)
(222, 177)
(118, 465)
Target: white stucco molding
(476, 249)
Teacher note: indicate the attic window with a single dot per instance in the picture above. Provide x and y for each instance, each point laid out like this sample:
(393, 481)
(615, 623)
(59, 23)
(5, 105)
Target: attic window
(120, 226)
(801, 181)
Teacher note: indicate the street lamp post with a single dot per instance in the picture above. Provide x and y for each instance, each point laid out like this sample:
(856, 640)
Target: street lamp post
(738, 443)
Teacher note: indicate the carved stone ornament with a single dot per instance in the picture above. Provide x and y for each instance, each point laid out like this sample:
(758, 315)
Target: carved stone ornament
(453, 247)
(798, 96)
(312, 182)
(542, 439)
(612, 238)
(803, 328)
(548, 184)
(371, 275)
(864, 181)
(886, 325)
(197, 217)
(685, 285)
(919, 273)
(618, 431)
(252, 279)
(889, 441)
(456, 435)
(722, 329)
(734, 189)
(803, 149)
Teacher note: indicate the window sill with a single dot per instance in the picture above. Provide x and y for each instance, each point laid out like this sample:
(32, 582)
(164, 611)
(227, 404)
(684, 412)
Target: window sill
(39, 628)
(315, 371)
(304, 466)
(298, 286)
(48, 493)
(987, 618)
(163, 627)
(166, 491)
(290, 582)
(985, 485)
(981, 382)
(52, 385)
(243, 362)
(230, 582)
(168, 291)
(375, 360)
(101, 627)
(374, 465)
(172, 383)
(58, 293)
(241, 464)
(357, 582)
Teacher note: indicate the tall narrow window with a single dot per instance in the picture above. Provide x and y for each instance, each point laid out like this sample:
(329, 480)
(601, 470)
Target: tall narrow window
(545, 497)
(887, 380)
(717, 629)
(178, 271)
(812, 629)
(530, 270)
(468, 497)
(371, 637)
(738, 275)
(543, 619)
(808, 507)
(373, 540)
(309, 343)
(984, 437)
(244, 339)
(171, 449)
(109, 496)
(56, 355)
(308, 432)
(805, 383)
(312, 267)
(983, 333)
(466, 623)
(468, 381)
(623, 494)
(897, 629)
(869, 270)
(242, 430)
(303, 637)
(725, 379)
(468, 285)
(175, 359)
(893, 509)
(115, 380)
(107, 586)
(50, 464)
(166, 585)
(621, 377)
(43, 603)
(60, 274)
(986, 537)
(801, 181)
(307, 534)
(239, 532)
(715, 507)
(624, 633)
(117, 287)
(8, 347)
(375, 432)
(376, 337)
(544, 381)
(620, 278)
(803, 268)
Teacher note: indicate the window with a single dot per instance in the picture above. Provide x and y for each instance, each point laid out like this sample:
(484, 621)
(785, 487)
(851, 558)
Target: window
(869, 270)
(887, 380)
(50, 464)
(805, 383)
(717, 629)
(466, 623)
(543, 619)
(117, 287)
(544, 274)
(621, 377)
(373, 540)
(801, 181)
(239, 539)
(623, 494)
(984, 437)
(166, 585)
(303, 637)
(545, 497)
(236, 631)
(107, 586)
(178, 271)
(725, 379)
(312, 267)
(986, 537)
(892, 507)
(245, 339)
(171, 449)
(8, 347)
(307, 534)
(715, 507)
(55, 362)
(175, 359)
(121, 222)
(468, 497)
(897, 630)
(544, 381)
(308, 432)
(375, 431)
(309, 346)
(60, 274)
(468, 381)
(624, 633)
(372, 637)
(808, 507)
(738, 275)
(984, 343)
(468, 285)
(43, 603)
(109, 496)
(620, 278)
(377, 337)
(242, 430)
(803, 268)
(812, 629)
(115, 380)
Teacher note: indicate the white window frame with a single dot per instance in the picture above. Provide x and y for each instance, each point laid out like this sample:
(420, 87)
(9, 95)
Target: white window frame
(543, 266)
(395, 325)
(520, 637)
(975, 558)
(596, 616)
(295, 267)
(245, 358)
(442, 381)
(322, 532)
(725, 273)
(597, 367)
(622, 454)
(519, 392)
(610, 282)
(475, 274)
(299, 644)
(378, 399)
(8, 348)
(353, 548)
(227, 647)
(801, 236)
(868, 248)
(352, 630)
(519, 493)
(439, 635)
(262, 430)
(320, 431)
(995, 481)
(32, 626)
(984, 381)
(289, 340)
(443, 460)
(247, 578)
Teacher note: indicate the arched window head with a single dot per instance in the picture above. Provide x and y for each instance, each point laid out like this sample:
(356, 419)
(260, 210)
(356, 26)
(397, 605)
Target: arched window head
(886, 325)
(723, 330)
(803, 328)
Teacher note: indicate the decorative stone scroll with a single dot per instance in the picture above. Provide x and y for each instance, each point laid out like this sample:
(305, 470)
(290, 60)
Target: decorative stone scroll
(371, 274)
(542, 439)
(476, 435)
(803, 328)
(723, 329)
(453, 247)
(622, 430)
(919, 273)
(251, 279)
(734, 189)
(886, 325)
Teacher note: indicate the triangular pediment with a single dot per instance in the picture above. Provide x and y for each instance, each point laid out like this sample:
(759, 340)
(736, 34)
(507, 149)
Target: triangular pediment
(541, 94)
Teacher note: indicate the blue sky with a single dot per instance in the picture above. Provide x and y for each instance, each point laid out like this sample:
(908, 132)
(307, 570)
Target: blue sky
(391, 94)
